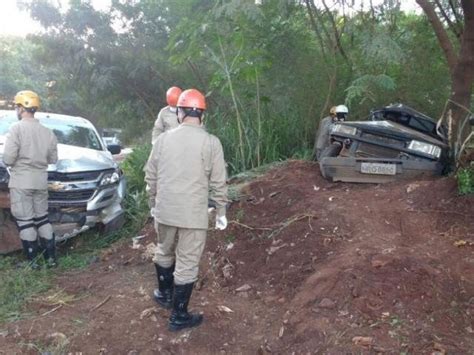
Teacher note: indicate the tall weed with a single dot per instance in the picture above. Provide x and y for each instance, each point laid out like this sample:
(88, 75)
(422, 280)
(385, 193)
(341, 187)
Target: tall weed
(466, 181)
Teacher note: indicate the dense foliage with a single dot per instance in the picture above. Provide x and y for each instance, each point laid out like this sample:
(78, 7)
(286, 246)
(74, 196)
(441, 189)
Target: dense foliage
(270, 71)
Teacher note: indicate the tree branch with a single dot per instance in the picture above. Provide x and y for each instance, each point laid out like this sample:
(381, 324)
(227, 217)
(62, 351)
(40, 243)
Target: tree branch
(455, 12)
(441, 33)
(450, 23)
(337, 35)
(315, 28)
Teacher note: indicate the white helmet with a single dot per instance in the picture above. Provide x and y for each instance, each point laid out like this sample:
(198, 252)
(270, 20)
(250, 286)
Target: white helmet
(342, 109)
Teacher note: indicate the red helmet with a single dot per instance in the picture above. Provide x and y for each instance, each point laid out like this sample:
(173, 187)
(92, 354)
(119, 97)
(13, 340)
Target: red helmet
(193, 99)
(172, 95)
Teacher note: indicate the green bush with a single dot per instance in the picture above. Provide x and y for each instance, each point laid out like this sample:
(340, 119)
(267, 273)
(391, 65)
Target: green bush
(133, 168)
(466, 181)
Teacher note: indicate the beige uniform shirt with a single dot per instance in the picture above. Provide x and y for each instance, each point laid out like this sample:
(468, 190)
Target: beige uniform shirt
(166, 120)
(185, 168)
(29, 148)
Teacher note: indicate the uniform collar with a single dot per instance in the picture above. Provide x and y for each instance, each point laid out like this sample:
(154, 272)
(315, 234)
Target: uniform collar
(191, 125)
(29, 119)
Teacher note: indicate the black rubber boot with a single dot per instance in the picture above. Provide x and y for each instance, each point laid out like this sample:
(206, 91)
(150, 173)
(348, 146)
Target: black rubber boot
(48, 247)
(31, 250)
(164, 293)
(180, 318)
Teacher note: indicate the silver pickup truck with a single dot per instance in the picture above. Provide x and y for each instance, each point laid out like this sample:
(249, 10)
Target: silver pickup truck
(86, 187)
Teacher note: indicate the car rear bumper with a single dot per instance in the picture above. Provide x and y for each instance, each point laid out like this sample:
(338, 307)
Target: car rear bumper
(348, 169)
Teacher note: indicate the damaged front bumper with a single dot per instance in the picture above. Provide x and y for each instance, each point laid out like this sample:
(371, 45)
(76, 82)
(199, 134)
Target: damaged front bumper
(84, 205)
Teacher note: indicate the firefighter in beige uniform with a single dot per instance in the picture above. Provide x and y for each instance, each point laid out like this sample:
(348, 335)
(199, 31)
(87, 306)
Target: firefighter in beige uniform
(184, 165)
(167, 118)
(29, 148)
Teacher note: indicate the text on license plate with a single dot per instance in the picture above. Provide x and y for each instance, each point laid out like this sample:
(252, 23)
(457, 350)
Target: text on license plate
(378, 168)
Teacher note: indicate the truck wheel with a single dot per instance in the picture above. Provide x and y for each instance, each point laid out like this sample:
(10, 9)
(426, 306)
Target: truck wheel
(331, 151)
(113, 226)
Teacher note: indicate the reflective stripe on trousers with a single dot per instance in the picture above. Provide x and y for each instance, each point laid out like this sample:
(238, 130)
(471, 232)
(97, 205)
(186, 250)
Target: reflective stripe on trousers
(30, 210)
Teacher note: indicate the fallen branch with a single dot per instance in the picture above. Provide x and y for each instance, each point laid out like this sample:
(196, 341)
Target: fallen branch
(101, 303)
(250, 227)
(51, 311)
(289, 222)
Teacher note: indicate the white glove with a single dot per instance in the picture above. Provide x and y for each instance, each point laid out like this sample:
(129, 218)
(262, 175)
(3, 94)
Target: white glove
(221, 223)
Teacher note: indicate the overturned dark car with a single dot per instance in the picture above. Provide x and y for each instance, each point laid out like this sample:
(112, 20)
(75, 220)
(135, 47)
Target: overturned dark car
(397, 142)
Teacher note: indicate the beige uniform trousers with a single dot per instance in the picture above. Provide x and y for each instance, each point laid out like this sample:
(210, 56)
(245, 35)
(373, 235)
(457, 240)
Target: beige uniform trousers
(30, 209)
(182, 247)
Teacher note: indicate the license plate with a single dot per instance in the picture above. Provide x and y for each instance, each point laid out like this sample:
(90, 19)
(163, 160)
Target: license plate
(378, 168)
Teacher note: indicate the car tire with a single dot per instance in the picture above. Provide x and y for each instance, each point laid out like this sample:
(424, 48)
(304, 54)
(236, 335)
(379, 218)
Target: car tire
(331, 151)
(113, 226)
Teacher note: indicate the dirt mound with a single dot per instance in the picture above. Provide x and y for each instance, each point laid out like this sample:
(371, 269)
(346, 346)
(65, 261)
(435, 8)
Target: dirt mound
(304, 266)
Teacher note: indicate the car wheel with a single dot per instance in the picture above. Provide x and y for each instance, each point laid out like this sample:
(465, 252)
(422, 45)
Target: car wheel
(113, 226)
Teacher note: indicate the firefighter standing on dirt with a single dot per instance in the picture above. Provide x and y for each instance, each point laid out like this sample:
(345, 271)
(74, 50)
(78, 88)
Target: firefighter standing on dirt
(29, 148)
(336, 113)
(184, 165)
(167, 118)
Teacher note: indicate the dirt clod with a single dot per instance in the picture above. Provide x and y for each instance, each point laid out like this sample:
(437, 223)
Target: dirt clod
(327, 304)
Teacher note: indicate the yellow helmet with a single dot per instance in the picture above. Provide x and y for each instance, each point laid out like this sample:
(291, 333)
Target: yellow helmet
(27, 99)
(332, 111)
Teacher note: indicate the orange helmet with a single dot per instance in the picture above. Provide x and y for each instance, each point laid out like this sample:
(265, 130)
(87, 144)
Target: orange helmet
(172, 95)
(192, 99)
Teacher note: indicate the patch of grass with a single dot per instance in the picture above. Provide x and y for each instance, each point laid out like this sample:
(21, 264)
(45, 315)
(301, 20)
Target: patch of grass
(239, 215)
(19, 284)
(56, 344)
(466, 181)
(57, 297)
(230, 238)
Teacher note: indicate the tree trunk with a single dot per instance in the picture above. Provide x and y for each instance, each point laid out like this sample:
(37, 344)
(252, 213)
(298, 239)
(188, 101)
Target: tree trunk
(440, 32)
(463, 73)
(461, 65)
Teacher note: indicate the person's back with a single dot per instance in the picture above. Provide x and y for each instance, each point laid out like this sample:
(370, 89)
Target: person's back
(29, 148)
(185, 166)
(29, 153)
(167, 117)
(185, 163)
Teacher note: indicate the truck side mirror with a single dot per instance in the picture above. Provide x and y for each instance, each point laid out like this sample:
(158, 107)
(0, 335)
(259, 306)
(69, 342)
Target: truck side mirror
(114, 149)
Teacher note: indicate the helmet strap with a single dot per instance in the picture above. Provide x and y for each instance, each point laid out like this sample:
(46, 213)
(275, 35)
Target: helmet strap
(191, 112)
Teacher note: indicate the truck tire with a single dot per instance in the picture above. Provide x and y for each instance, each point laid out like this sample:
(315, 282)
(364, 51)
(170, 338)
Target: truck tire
(331, 151)
(113, 226)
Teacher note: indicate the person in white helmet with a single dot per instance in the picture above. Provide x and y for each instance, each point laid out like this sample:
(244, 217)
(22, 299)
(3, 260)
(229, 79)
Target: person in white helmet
(341, 112)
(336, 113)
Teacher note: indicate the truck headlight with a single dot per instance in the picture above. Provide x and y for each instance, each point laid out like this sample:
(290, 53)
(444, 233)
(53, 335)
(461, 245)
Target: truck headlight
(425, 148)
(344, 129)
(110, 178)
